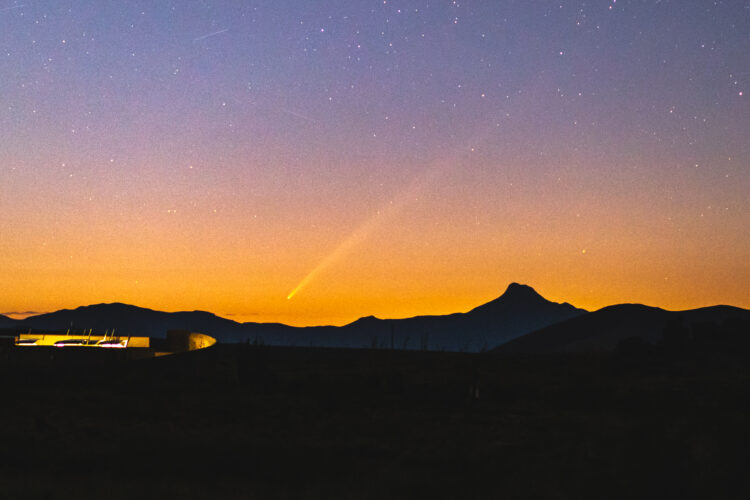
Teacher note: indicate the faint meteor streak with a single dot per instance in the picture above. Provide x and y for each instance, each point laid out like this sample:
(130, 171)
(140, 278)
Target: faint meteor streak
(12, 7)
(210, 35)
(298, 115)
(279, 109)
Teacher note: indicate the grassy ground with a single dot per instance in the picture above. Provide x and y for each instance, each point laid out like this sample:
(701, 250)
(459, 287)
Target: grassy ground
(290, 423)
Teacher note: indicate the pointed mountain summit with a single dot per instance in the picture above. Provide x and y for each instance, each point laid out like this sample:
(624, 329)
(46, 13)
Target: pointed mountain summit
(519, 310)
(516, 294)
(518, 291)
(523, 297)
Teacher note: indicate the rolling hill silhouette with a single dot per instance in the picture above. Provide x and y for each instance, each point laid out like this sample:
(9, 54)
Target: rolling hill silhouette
(125, 318)
(602, 330)
(6, 322)
(520, 321)
(518, 311)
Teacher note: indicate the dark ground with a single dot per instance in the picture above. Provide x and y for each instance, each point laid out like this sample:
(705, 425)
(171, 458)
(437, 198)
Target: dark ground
(296, 423)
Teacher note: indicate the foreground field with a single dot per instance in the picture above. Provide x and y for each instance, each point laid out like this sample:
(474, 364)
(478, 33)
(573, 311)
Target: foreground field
(288, 423)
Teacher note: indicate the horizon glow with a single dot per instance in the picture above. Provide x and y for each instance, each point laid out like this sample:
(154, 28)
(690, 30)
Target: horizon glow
(315, 163)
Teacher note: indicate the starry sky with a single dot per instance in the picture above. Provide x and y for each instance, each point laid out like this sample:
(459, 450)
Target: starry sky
(314, 162)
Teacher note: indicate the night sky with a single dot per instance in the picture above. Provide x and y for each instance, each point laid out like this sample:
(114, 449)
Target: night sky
(388, 157)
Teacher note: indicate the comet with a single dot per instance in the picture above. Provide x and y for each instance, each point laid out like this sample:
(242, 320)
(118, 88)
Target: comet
(391, 210)
(387, 213)
(340, 251)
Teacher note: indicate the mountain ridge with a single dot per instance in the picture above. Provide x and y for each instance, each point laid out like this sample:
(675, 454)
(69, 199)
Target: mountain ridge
(519, 310)
(520, 320)
(603, 329)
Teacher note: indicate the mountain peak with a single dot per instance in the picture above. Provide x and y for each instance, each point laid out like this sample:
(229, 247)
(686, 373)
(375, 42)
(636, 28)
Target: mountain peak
(515, 296)
(365, 320)
(520, 291)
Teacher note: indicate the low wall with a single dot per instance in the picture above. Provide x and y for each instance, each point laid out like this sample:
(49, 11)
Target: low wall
(183, 340)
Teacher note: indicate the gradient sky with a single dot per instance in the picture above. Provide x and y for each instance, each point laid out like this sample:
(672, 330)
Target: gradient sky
(373, 157)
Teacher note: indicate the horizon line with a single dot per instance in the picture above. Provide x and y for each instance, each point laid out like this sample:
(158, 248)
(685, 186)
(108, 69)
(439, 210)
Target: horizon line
(228, 316)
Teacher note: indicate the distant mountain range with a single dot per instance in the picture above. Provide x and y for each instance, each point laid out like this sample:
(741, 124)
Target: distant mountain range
(519, 321)
(602, 330)
(516, 312)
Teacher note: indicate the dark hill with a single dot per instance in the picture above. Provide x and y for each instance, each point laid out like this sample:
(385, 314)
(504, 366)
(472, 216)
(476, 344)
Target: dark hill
(517, 311)
(127, 319)
(602, 330)
(6, 322)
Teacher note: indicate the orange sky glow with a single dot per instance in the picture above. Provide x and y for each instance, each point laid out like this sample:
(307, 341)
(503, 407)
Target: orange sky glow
(422, 257)
(314, 162)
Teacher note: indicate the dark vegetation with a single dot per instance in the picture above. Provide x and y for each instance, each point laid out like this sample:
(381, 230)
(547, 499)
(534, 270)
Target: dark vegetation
(663, 420)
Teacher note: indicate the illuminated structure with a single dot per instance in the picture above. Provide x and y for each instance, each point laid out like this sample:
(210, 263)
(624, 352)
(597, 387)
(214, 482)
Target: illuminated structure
(84, 340)
(61, 349)
(183, 340)
(176, 341)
